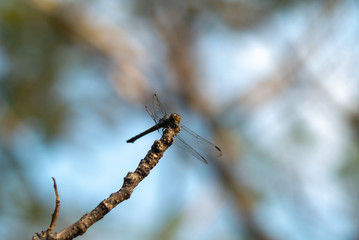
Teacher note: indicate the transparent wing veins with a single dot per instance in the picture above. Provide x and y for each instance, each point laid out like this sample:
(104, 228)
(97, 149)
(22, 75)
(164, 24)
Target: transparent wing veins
(152, 115)
(214, 148)
(181, 143)
(158, 110)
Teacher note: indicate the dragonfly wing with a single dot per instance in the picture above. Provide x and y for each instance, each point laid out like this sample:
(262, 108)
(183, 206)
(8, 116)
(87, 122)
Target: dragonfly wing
(158, 109)
(152, 115)
(202, 143)
(182, 144)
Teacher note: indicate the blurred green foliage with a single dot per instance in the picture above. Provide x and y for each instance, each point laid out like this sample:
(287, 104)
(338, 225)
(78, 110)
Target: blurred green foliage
(31, 42)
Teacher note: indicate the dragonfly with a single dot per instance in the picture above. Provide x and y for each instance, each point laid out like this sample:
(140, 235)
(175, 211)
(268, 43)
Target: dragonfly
(162, 119)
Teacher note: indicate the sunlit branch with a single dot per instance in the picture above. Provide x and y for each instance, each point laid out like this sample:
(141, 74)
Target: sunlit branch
(131, 180)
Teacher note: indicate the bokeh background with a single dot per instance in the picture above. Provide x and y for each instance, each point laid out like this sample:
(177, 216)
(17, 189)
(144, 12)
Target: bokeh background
(273, 83)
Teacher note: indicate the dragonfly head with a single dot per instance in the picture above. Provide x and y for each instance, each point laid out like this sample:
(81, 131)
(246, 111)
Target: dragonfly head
(176, 117)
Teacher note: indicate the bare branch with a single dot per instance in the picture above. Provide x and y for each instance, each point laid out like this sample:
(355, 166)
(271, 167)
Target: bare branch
(131, 180)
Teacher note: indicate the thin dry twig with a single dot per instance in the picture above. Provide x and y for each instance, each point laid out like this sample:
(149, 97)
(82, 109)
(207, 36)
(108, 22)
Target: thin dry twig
(131, 180)
(55, 213)
(57, 208)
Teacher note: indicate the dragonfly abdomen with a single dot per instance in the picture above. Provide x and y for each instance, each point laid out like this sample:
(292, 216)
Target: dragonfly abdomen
(152, 129)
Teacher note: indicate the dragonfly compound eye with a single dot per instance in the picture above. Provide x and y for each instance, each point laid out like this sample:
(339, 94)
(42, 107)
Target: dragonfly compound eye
(176, 117)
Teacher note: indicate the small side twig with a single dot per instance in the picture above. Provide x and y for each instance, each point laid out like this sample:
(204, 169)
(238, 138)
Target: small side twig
(57, 208)
(131, 180)
(54, 215)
